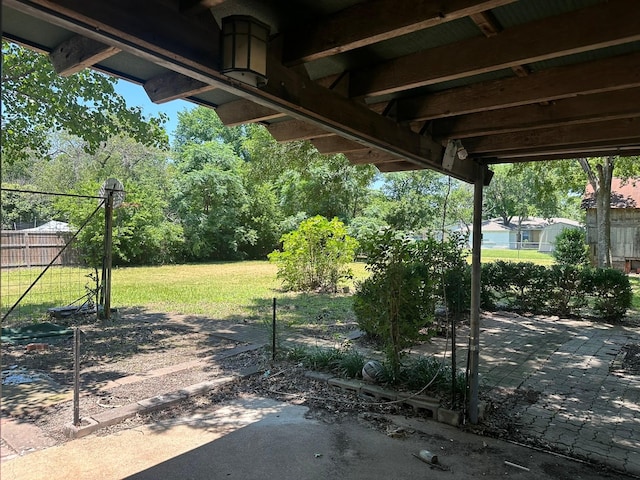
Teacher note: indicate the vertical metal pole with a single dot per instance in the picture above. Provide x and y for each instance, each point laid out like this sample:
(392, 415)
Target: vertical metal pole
(474, 335)
(107, 259)
(273, 333)
(76, 376)
(454, 369)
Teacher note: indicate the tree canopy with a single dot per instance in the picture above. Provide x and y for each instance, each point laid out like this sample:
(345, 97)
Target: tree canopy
(37, 103)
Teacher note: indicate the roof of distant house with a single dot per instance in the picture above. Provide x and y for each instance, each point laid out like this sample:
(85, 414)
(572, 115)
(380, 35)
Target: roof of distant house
(51, 226)
(624, 194)
(529, 223)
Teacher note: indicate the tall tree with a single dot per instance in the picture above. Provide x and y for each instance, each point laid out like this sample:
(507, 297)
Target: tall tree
(600, 173)
(36, 102)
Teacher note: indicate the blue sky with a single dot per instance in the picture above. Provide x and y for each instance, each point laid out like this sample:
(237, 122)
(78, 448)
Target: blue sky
(137, 97)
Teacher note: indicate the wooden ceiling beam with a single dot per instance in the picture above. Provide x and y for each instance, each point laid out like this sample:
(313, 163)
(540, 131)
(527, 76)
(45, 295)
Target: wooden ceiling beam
(172, 85)
(400, 166)
(569, 111)
(335, 144)
(296, 130)
(558, 36)
(243, 111)
(370, 156)
(78, 53)
(519, 157)
(600, 133)
(544, 86)
(367, 23)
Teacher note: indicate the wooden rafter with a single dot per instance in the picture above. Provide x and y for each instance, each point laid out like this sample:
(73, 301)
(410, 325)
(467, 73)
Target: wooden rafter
(569, 111)
(78, 53)
(296, 130)
(172, 85)
(547, 85)
(600, 134)
(367, 23)
(558, 36)
(245, 111)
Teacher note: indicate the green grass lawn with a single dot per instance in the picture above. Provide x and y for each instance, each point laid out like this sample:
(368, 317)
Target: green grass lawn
(232, 290)
(493, 254)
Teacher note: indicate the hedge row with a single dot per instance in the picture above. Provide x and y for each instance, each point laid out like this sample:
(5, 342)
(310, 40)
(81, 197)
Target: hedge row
(558, 289)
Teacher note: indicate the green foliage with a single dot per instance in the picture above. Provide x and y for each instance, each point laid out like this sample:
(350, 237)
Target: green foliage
(559, 289)
(345, 362)
(610, 290)
(316, 256)
(571, 248)
(36, 102)
(399, 297)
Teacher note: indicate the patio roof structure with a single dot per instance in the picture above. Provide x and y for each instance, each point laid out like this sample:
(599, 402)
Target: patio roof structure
(453, 86)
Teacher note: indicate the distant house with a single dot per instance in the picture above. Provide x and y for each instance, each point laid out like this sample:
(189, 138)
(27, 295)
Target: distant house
(532, 233)
(625, 223)
(37, 246)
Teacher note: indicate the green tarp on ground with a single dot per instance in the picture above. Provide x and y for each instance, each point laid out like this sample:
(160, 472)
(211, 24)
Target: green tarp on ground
(37, 331)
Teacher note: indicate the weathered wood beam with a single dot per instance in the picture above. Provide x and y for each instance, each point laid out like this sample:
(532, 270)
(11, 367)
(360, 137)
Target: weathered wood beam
(367, 23)
(562, 35)
(544, 86)
(519, 157)
(172, 85)
(569, 111)
(400, 166)
(78, 53)
(600, 133)
(335, 144)
(296, 130)
(371, 156)
(243, 111)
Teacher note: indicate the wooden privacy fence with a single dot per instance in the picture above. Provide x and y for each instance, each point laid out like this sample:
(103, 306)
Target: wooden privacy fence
(21, 248)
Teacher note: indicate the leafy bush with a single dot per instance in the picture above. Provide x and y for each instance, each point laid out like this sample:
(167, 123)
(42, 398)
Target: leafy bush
(566, 289)
(609, 290)
(571, 248)
(560, 289)
(398, 298)
(316, 256)
(348, 363)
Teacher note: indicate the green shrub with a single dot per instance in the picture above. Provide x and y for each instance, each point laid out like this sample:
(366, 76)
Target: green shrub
(571, 248)
(609, 290)
(399, 296)
(316, 256)
(560, 289)
(567, 289)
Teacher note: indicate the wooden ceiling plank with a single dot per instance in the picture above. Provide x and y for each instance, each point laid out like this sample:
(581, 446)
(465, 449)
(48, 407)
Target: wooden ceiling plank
(367, 23)
(548, 85)
(296, 130)
(557, 36)
(172, 85)
(244, 111)
(601, 133)
(569, 111)
(78, 53)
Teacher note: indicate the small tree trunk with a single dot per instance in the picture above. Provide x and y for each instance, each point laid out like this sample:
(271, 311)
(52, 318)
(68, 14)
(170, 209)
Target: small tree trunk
(600, 181)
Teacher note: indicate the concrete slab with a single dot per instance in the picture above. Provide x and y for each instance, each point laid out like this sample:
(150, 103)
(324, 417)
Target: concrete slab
(257, 438)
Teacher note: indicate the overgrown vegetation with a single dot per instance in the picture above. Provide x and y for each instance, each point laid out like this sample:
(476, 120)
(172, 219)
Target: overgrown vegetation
(408, 279)
(426, 374)
(316, 256)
